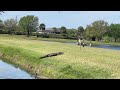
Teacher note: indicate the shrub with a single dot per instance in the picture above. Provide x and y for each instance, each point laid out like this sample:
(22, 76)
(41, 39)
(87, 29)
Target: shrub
(34, 34)
(106, 39)
(20, 33)
(43, 35)
(4, 32)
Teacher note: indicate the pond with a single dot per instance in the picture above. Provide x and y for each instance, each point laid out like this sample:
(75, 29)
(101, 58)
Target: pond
(8, 71)
(108, 47)
(95, 46)
(102, 46)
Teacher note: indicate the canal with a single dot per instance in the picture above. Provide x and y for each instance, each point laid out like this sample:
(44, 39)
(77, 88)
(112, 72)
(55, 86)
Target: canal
(8, 71)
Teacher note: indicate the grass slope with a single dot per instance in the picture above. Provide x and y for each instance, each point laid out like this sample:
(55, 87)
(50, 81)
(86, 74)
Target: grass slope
(87, 63)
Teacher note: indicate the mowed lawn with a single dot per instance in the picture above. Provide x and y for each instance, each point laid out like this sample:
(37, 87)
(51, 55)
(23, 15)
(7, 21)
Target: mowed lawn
(75, 63)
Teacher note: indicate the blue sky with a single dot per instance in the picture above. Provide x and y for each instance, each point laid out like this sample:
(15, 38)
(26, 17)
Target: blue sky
(70, 19)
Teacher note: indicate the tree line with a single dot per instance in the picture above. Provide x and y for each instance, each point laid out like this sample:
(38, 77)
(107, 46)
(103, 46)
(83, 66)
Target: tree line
(101, 30)
(28, 25)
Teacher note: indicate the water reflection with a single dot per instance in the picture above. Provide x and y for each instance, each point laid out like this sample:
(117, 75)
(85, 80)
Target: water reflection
(102, 46)
(8, 71)
(108, 47)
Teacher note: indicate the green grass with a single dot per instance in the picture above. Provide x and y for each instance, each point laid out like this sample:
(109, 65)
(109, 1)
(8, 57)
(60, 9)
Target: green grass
(87, 63)
(58, 40)
(35, 38)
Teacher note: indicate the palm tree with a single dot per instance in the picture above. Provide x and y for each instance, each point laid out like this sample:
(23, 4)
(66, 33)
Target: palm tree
(42, 26)
(63, 31)
(80, 32)
(80, 29)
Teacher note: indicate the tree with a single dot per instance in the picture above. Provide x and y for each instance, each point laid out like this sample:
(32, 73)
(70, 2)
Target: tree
(90, 32)
(115, 31)
(100, 28)
(28, 23)
(54, 29)
(1, 24)
(42, 26)
(10, 25)
(34, 24)
(97, 29)
(63, 31)
(20, 30)
(71, 33)
(80, 32)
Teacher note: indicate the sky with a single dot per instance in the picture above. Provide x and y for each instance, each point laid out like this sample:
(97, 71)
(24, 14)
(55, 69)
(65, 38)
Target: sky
(69, 19)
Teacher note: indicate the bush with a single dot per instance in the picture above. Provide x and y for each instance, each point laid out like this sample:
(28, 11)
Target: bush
(56, 36)
(34, 34)
(4, 32)
(43, 35)
(20, 33)
(106, 39)
(59, 36)
(53, 36)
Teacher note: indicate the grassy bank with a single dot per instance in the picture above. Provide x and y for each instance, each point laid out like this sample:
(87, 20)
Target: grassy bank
(74, 63)
(58, 40)
(35, 38)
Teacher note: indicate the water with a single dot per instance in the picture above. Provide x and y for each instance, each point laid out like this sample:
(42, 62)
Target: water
(95, 46)
(102, 46)
(108, 47)
(8, 71)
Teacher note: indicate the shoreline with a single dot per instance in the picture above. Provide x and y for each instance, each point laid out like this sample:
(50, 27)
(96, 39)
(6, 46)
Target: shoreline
(21, 66)
(26, 54)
